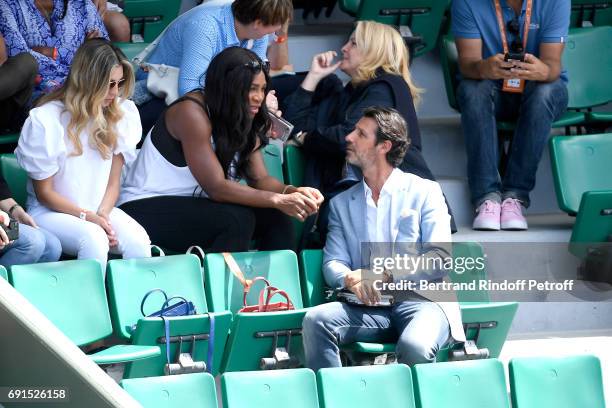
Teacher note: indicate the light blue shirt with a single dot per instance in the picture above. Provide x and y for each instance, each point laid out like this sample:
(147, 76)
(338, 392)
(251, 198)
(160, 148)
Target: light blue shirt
(194, 38)
(476, 19)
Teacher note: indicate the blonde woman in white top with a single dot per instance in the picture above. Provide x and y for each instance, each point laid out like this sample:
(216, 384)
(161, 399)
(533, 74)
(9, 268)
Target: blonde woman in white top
(74, 145)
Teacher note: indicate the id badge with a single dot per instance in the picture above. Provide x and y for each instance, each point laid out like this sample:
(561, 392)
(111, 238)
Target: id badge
(515, 85)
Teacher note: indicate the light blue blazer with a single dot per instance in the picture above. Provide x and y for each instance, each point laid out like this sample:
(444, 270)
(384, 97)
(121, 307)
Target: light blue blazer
(418, 215)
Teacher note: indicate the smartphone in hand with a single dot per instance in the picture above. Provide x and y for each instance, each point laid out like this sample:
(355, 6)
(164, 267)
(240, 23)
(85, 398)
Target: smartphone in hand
(281, 129)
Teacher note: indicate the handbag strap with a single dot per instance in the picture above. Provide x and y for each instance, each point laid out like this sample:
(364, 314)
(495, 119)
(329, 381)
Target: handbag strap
(197, 251)
(211, 343)
(261, 293)
(147, 295)
(235, 269)
(142, 55)
(275, 291)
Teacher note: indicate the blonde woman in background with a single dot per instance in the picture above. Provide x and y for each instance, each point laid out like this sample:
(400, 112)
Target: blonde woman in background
(324, 112)
(73, 147)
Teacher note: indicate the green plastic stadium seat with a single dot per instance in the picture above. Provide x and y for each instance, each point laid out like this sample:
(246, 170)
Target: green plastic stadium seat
(130, 279)
(272, 160)
(293, 169)
(473, 274)
(594, 12)
(150, 17)
(9, 138)
(149, 331)
(195, 390)
(224, 292)
(71, 295)
(551, 382)
(270, 389)
(580, 164)
(462, 384)
(388, 386)
(311, 277)
(424, 17)
(15, 177)
(131, 49)
(178, 275)
(3, 273)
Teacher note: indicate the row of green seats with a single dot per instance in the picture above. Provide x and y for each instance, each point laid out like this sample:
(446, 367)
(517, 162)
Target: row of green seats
(570, 382)
(83, 312)
(587, 58)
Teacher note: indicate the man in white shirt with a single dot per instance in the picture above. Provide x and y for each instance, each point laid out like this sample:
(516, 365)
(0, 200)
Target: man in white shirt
(389, 206)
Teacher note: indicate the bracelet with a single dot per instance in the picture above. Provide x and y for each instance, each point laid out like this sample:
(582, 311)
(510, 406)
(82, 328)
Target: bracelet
(279, 39)
(83, 215)
(54, 55)
(10, 211)
(287, 188)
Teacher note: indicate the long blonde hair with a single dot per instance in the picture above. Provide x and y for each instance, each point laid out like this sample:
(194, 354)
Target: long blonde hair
(84, 91)
(382, 47)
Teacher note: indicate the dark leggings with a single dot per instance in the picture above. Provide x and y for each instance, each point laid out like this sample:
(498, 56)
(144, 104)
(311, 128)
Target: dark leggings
(17, 76)
(176, 223)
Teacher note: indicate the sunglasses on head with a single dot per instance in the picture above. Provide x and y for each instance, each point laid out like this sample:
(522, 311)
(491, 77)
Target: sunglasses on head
(514, 28)
(119, 84)
(258, 66)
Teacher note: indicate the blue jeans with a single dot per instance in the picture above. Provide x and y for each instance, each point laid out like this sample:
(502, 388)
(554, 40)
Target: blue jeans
(32, 246)
(420, 329)
(482, 102)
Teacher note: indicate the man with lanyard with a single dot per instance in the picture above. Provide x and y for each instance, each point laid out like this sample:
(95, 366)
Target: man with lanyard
(510, 63)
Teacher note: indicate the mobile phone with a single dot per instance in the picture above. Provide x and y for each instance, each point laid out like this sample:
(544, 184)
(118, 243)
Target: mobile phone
(514, 56)
(280, 127)
(12, 230)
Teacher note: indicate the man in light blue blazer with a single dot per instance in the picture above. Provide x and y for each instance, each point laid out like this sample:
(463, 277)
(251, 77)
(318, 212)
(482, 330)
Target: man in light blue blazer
(388, 206)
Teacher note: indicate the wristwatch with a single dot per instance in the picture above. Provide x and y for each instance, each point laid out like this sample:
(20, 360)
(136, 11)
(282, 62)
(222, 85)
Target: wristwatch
(279, 39)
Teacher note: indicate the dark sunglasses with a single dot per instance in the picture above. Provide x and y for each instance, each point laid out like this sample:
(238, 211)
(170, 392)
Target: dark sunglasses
(119, 84)
(514, 28)
(258, 66)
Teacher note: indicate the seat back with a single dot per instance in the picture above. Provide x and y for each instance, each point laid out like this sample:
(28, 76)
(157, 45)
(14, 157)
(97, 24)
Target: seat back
(247, 343)
(424, 17)
(595, 12)
(593, 222)
(587, 57)
(547, 382)
(225, 292)
(272, 159)
(3, 273)
(70, 294)
(311, 277)
(470, 269)
(580, 164)
(365, 386)
(130, 279)
(150, 332)
(294, 165)
(15, 177)
(131, 49)
(150, 17)
(450, 69)
(271, 389)
(463, 384)
(195, 390)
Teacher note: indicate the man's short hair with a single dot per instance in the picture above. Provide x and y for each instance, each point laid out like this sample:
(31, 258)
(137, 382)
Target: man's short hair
(270, 12)
(391, 126)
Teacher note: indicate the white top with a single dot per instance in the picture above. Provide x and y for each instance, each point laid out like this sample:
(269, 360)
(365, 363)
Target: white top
(378, 222)
(152, 175)
(44, 150)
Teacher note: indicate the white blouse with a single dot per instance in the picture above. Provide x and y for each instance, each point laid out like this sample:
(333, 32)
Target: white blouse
(44, 150)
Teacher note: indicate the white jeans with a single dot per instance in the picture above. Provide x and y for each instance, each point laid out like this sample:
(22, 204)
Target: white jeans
(86, 240)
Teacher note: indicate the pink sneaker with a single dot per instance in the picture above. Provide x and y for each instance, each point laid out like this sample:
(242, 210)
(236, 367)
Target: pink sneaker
(487, 216)
(512, 217)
